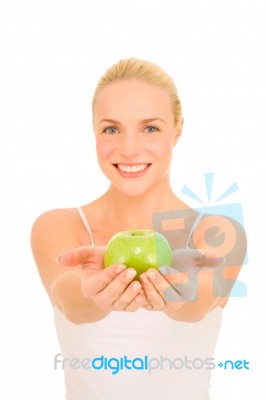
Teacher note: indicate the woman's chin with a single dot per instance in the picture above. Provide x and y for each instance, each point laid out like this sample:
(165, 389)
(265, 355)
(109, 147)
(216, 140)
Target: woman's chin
(131, 190)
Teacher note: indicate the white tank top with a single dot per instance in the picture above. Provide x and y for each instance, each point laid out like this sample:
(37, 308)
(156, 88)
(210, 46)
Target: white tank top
(141, 355)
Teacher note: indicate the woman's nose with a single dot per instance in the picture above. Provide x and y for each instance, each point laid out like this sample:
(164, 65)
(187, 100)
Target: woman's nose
(129, 145)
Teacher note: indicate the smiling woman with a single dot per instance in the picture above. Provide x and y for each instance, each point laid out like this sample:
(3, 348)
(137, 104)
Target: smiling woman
(135, 132)
(168, 315)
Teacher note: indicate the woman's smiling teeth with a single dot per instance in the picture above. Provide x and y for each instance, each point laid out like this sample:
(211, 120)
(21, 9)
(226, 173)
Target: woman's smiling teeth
(132, 168)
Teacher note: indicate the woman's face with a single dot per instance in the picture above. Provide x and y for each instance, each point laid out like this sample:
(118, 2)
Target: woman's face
(135, 134)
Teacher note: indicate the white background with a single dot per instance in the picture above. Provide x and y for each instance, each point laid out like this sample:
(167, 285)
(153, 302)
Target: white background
(52, 54)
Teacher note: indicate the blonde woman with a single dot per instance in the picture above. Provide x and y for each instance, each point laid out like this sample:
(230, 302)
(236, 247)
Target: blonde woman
(121, 338)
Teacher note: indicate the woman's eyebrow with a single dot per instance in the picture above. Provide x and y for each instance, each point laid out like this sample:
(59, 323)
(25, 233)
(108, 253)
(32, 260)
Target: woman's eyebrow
(111, 121)
(145, 121)
(148, 120)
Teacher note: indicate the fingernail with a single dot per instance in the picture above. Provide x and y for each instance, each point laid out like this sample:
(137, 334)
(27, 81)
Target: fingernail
(151, 274)
(138, 299)
(130, 274)
(136, 286)
(144, 278)
(221, 259)
(210, 254)
(60, 259)
(165, 270)
(57, 259)
(148, 307)
(120, 268)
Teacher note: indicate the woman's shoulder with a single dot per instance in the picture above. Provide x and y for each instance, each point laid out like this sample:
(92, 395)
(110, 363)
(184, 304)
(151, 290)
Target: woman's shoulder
(53, 217)
(63, 222)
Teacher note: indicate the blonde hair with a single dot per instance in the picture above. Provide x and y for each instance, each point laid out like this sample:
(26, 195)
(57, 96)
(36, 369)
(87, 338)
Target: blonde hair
(134, 68)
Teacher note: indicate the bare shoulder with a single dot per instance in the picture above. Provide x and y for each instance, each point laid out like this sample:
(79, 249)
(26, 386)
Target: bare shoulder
(58, 213)
(53, 223)
(54, 232)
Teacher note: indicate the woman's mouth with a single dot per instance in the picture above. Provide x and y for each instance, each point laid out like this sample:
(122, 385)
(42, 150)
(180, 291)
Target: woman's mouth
(132, 170)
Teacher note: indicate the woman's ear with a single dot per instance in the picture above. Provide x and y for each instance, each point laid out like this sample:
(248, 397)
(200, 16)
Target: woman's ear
(178, 130)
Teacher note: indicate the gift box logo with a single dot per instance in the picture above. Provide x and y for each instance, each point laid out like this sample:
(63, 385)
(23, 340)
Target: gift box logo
(222, 231)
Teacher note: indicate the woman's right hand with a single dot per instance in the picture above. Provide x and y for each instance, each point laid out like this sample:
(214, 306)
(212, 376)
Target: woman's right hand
(111, 288)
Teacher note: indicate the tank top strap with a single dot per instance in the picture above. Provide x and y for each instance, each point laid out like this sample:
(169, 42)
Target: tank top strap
(85, 223)
(88, 229)
(194, 226)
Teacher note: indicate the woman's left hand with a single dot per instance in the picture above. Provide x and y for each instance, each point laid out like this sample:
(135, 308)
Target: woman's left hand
(171, 287)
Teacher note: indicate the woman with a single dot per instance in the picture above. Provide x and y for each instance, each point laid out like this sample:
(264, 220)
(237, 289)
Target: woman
(122, 338)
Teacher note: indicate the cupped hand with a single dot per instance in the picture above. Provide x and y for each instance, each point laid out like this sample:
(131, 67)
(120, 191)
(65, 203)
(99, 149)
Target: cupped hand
(171, 287)
(111, 288)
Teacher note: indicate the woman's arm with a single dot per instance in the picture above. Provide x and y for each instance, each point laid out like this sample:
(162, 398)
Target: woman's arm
(189, 295)
(76, 282)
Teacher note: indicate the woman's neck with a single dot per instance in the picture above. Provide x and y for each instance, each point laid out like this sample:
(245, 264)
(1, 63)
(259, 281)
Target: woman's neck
(138, 211)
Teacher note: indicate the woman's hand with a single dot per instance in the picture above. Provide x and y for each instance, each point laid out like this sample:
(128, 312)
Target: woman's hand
(114, 288)
(111, 288)
(171, 287)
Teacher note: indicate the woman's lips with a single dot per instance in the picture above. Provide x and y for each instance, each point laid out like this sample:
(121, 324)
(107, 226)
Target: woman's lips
(132, 170)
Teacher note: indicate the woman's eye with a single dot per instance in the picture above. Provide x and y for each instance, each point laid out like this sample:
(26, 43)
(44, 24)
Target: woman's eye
(111, 130)
(151, 129)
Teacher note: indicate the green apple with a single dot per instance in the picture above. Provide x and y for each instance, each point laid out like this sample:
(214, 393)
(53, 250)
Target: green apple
(140, 249)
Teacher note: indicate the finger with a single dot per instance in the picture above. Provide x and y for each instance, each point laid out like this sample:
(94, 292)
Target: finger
(153, 288)
(177, 288)
(136, 303)
(115, 288)
(191, 260)
(129, 299)
(93, 282)
(145, 304)
(74, 257)
(184, 283)
(171, 293)
(211, 259)
(79, 255)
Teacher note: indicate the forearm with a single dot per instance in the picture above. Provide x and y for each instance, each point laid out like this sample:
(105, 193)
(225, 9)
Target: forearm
(207, 299)
(66, 295)
(216, 282)
(202, 291)
(192, 311)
